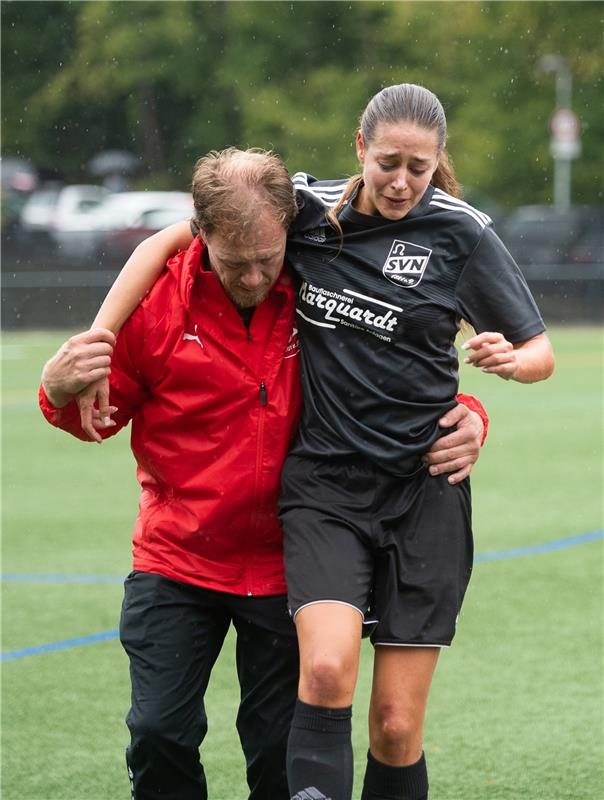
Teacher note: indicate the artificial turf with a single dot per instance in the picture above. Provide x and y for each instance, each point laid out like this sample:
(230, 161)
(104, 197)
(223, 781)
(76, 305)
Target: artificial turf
(516, 706)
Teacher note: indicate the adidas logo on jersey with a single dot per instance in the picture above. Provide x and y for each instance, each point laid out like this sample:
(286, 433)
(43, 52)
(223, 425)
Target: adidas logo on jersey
(316, 235)
(406, 263)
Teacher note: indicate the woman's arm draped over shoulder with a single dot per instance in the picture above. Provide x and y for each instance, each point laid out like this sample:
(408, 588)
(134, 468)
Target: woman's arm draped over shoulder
(138, 275)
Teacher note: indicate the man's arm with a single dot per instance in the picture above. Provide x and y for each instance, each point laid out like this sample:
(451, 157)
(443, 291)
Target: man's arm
(80, 360)
(457, 452)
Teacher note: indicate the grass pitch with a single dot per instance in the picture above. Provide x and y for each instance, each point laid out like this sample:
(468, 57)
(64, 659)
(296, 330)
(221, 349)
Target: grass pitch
(516, 706)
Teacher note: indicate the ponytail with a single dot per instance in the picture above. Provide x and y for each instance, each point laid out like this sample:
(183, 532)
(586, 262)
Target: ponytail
(332, 214)
(444, 177)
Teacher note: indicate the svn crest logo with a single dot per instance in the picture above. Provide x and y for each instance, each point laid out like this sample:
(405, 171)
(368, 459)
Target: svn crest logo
(406, 263)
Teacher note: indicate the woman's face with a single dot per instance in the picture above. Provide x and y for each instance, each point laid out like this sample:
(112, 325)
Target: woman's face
(398, 165)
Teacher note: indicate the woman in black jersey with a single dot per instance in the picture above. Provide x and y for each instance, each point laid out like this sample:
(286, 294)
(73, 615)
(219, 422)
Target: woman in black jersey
(381, 296)
(388, 264)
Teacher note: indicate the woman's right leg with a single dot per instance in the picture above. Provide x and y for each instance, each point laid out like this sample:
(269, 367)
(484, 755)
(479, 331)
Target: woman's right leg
(327, 510)
(319, 758)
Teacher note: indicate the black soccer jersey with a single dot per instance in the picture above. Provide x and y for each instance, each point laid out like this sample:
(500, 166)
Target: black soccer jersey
(378, 313)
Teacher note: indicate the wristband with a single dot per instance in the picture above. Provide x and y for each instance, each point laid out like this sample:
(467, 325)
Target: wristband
(473, 404)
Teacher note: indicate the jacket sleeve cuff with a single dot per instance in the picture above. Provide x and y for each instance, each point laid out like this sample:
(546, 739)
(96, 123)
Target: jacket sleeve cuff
(67, 418)
(474, 404)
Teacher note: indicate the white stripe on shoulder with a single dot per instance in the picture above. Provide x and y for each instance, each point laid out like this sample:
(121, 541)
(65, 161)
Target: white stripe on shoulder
(444, 200)
(439, 194)
(300, 179)
(469, 211)
(328, 195)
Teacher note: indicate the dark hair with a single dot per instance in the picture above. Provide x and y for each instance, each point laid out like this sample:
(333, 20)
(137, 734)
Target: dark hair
(405, 102)
(230, 187)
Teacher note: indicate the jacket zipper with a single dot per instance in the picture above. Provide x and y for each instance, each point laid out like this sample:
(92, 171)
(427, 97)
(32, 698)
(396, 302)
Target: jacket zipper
(259, 450)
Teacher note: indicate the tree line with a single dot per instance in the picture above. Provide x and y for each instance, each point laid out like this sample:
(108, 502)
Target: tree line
(170, 80)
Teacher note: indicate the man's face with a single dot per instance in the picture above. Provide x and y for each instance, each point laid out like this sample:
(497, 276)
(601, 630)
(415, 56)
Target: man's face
(248, 266)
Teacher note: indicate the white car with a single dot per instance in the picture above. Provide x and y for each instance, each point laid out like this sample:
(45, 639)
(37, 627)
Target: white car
(62, 216)
(124, 209)
(61, 208)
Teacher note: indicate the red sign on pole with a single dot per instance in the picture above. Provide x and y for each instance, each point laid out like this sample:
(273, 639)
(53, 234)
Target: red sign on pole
(566, 131)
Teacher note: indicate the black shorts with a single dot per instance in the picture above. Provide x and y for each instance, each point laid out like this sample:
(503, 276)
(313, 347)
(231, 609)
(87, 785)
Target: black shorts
(399, 547)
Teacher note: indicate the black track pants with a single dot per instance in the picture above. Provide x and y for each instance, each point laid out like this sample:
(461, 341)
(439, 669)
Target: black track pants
(173, 633)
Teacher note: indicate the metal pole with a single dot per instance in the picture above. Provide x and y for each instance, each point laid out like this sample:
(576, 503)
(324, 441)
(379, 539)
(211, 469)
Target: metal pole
(562, 182)
(562, 164)
(562, 179)
(564, 84)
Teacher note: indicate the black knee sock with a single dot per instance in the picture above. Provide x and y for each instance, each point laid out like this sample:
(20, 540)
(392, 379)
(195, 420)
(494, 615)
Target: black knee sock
(383, 782)
(319, 753)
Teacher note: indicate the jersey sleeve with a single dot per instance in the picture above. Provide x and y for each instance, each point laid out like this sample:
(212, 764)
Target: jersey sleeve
(493, 295)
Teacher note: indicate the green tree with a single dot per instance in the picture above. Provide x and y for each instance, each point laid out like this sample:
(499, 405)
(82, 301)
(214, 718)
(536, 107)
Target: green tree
(171, 80)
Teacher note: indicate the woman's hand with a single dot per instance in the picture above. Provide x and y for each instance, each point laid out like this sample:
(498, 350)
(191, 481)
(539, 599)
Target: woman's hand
(493, 354)
(94, 419)
(526, 362)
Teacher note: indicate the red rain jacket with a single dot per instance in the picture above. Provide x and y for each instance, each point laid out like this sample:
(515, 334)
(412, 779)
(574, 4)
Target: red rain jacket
(213, 408)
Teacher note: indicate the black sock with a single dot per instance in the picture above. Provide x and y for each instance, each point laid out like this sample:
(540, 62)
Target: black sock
(319, 753)
(383, 782)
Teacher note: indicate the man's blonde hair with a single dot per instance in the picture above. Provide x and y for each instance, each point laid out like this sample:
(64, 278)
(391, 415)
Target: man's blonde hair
(231, 187)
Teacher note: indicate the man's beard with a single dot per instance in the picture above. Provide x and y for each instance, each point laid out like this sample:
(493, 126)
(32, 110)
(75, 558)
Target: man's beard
(244, 299)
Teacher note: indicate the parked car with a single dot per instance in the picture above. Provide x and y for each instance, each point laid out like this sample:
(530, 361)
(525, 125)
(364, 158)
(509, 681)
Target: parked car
(59, 216)
(589, 246)
(61, 208)
(544, 235)
(125, 219)
(118, 244)
(18, 179)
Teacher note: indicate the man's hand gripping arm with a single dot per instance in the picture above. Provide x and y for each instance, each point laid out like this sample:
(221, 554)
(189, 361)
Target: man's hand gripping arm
(78, 363)
(458, 451)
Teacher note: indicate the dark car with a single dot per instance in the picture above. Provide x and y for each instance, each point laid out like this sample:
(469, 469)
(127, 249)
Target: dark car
(545, 236)
(119, 243)
(562, 257)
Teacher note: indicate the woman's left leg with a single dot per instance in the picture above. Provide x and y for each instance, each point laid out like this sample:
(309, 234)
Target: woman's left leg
(422, 568)
(396, 766)
(401, 682)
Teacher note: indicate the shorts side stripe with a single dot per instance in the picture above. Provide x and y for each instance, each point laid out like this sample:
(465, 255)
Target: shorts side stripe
(407, 644)
(337, 602)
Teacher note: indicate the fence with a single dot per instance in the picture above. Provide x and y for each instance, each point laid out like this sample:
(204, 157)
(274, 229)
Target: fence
(42, 289)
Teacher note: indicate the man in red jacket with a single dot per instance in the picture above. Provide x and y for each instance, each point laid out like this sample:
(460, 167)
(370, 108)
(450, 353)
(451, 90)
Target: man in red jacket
(206, 368)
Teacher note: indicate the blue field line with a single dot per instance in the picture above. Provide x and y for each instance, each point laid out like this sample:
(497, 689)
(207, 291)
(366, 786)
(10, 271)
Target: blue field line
(538, 549)
(104, 636)
(52, 577)
(64, 644)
